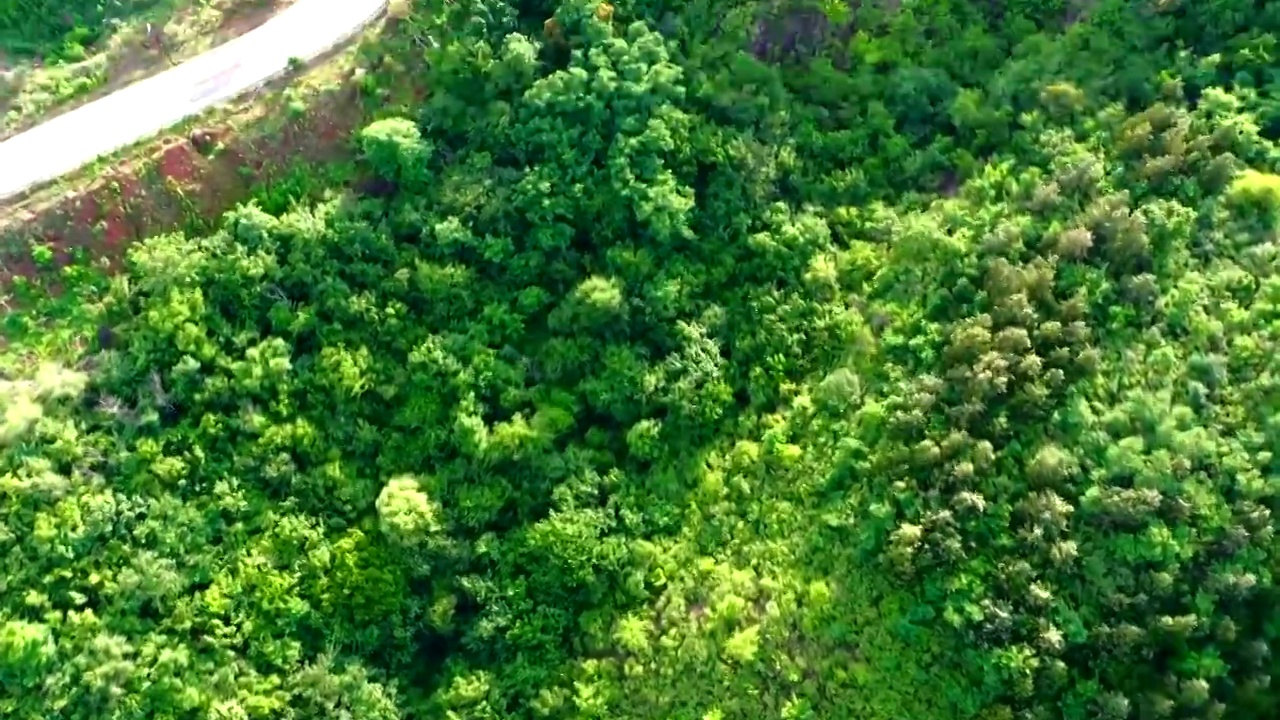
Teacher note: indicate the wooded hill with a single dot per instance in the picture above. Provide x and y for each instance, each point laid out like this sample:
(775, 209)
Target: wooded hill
(694, 361)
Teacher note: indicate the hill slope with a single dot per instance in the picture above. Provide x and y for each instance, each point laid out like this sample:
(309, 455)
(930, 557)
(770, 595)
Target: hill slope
(691, 361)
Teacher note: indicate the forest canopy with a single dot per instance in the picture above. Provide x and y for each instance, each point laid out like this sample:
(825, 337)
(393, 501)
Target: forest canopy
(696, 361)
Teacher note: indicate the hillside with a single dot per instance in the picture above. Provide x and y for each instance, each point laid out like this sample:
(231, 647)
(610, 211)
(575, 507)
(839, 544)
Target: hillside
(693, 361)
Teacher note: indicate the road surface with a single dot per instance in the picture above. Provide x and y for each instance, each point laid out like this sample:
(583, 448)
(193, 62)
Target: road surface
(304, 30)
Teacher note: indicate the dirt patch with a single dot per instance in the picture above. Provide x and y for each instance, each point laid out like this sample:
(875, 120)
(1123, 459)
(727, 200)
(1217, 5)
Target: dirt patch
(243, 17)
(173, 181)
(177, 163)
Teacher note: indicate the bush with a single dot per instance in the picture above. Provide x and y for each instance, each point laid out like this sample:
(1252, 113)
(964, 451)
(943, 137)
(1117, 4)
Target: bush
(394, 148)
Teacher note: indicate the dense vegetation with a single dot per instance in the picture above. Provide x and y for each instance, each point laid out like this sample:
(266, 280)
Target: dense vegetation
(62, 30)
(693, 360)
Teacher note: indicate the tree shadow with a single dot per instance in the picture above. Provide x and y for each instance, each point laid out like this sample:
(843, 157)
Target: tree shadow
(795, 34)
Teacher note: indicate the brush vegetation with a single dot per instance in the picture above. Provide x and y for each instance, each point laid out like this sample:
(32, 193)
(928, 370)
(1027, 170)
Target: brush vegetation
(692, 361)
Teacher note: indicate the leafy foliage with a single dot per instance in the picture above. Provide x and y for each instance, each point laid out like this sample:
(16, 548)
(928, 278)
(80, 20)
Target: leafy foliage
(694, 360)
(61, 29)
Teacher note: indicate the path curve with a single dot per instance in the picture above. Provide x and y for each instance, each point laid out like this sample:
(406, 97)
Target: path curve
(304, 30)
